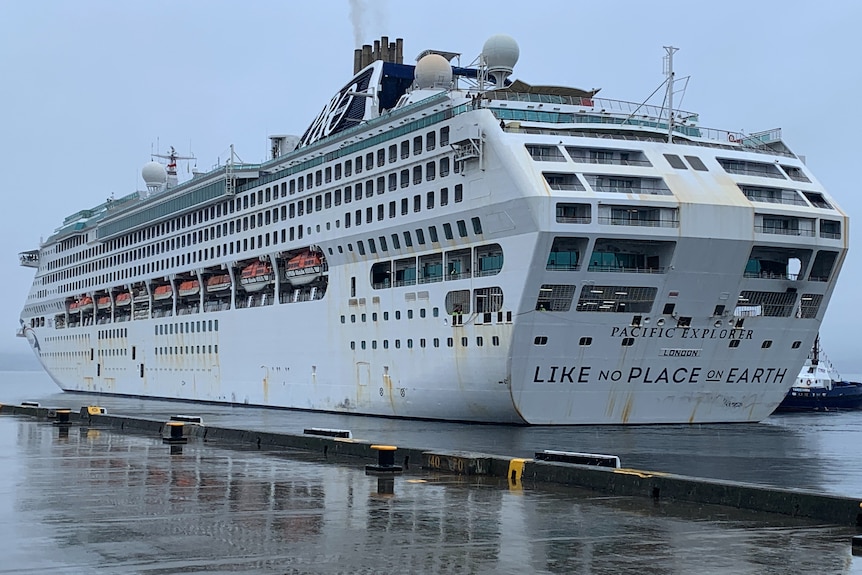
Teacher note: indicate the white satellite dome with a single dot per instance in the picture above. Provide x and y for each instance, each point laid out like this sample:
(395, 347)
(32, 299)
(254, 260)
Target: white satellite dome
(500, 54)
(433, 71)
(501, 51)
(154, 174)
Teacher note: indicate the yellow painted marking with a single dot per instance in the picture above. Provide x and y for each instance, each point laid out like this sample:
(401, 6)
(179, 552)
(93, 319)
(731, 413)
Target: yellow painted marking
(639, 473)
(516, 471)
(345, 440)
(416, 481)
(174, 424)
(384, 447)
(94, 410)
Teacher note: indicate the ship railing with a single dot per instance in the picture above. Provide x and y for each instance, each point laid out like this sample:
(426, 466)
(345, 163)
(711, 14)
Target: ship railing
(563, 267)
(784, 231)
(770, 276)
(643, 188)
(611, 161)
(573, 219)
(430, 279)
(595, 268)
(696, 136)
(487, 272)
(569, 187)
(649, 223)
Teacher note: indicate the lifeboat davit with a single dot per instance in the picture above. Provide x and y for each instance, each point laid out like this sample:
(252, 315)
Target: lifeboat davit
(124, 298)
(163, 292)
(104, 302)
(256, 276)
(189, 288)
(218, 283)
(304, 268)
(85, 304)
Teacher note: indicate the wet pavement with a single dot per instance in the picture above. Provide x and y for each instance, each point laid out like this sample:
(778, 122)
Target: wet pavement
(95, 501)
(104, 502)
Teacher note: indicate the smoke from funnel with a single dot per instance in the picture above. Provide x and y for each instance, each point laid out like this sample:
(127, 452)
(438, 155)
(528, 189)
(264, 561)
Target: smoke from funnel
(363, 12)
(356, 12)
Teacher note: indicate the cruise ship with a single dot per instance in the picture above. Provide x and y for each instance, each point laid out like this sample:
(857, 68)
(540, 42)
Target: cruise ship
(447, 242)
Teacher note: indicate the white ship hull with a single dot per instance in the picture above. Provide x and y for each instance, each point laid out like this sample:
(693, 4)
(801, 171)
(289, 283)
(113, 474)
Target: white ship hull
(538, 290)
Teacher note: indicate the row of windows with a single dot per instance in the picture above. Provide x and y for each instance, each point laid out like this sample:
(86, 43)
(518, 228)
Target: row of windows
(435, 342)
(249, 200)
(355, 218)
(112, 333)
(186, 349)
(363, 317)
(187, 327)
(295, 209)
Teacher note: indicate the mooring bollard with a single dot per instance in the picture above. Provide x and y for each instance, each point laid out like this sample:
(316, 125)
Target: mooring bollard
(385, 461)
(63, 417)
(174, 432)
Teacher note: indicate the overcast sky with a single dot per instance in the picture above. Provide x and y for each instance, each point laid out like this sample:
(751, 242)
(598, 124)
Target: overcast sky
(90, 87)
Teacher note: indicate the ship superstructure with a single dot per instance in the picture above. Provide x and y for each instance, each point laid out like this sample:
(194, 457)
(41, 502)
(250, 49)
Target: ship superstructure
(443, 242)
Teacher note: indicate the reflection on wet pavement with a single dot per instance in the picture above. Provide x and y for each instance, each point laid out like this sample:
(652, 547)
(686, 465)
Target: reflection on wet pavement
(102, 502)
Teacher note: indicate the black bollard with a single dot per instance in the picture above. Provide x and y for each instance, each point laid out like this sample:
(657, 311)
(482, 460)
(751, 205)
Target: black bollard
(174, 432)
(63, 417)
(385, 461)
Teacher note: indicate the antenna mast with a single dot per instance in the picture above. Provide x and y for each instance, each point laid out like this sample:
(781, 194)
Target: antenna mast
(171, 168)
(668, 70)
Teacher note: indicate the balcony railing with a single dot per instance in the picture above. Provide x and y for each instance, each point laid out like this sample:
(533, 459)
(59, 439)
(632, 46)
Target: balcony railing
(783, 231)
(593, 268)
(649, 223)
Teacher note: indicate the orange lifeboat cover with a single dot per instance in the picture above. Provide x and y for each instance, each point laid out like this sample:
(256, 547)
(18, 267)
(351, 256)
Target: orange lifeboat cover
(256, 269)
(304, 260)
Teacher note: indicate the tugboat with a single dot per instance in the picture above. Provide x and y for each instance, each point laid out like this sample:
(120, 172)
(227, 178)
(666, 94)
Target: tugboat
(819, 387)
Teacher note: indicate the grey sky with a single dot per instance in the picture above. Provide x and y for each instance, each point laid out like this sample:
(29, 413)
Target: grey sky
(89, 87)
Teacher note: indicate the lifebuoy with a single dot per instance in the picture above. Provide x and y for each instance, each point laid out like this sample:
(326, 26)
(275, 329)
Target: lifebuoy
(731, 138)
(807, 382)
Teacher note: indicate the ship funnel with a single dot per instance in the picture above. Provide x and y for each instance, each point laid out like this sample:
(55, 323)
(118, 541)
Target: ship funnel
(382, 49)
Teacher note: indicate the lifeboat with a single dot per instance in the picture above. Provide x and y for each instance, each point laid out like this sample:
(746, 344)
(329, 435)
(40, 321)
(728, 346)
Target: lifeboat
(189, 288)
(256, 276)
(163, 292)
(73, 307)
(85, 304)
(104, 302)
(124, 298)
(218, 283)
(304, 268)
